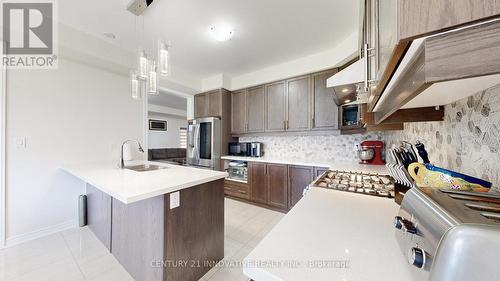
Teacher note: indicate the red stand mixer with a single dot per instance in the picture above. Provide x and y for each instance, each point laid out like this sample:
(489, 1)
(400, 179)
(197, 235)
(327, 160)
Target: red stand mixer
(370, 153)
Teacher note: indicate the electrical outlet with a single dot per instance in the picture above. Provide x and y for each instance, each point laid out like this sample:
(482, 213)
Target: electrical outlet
(175, 200)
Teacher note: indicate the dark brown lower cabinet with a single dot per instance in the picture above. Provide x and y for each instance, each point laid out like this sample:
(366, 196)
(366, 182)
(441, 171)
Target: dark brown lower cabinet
(258, 183)
(277, 185)
(299, 177)
(318, 171)
(236, 189)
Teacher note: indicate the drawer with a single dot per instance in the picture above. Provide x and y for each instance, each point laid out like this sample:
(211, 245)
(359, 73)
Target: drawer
(236, 189)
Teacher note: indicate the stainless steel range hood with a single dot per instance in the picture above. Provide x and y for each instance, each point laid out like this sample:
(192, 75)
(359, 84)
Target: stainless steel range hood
(348, 84)
(353, 74)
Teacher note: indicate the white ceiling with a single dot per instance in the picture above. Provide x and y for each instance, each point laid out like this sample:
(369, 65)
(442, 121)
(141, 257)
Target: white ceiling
(267, 32)
(168, 100)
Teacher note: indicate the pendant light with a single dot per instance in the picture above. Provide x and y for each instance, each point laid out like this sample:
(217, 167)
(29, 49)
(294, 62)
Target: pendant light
(142, 65)
(163, 62)
(152, 79)
(135, 87)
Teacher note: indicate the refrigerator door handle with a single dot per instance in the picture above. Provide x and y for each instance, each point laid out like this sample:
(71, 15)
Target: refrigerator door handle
(196, 150)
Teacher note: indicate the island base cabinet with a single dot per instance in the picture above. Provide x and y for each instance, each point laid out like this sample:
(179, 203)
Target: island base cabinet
(154, 242)
(99, 215)
(137, 237)
(194, 232)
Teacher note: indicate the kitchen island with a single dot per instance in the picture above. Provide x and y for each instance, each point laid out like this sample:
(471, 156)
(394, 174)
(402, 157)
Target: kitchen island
(332, 236)
(161, 224)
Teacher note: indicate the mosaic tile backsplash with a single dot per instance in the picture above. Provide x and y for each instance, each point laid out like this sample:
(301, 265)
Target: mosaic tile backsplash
(467, 141)
(328, 148)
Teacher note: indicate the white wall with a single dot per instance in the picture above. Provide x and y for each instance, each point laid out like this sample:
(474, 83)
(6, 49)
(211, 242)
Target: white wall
(74, 114)
(169, 138)
(316, 62)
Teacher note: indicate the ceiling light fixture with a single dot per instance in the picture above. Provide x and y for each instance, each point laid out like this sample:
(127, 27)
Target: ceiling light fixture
(347, 101)
(146, 78)
(142, 65)
(134, 85)
(163, 63)
(221, 33)
(345, 90)
(152, 79)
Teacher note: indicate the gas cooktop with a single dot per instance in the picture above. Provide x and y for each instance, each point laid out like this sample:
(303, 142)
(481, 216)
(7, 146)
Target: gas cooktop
(363, 183)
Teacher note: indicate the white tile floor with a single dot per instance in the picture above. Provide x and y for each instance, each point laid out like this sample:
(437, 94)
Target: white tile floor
(77, 255)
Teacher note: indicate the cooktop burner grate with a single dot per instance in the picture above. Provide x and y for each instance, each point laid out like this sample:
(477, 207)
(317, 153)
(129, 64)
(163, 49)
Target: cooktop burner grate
(362, 183)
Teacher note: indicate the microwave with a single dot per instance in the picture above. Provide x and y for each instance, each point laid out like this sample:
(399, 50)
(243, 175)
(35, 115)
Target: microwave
(239, 149)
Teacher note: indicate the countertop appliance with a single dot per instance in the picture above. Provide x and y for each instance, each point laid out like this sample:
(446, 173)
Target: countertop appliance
(204, 143)
(450, 235)
(238, 171)
(257, 149)
(363, 183)
(239, 149)
(370, 152)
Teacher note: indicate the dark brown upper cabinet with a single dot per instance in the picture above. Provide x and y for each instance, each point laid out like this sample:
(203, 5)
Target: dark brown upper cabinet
(209, 104)
(325, 110)
(425, 17)
(301, 103)
(397, 47)
(298, 116)
(275, 107)
(201, 105)
(214, 103)
(238, 112)
(256, 109)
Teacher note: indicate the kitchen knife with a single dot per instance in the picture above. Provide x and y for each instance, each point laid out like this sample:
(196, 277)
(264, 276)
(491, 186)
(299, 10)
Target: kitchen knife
(422, 152)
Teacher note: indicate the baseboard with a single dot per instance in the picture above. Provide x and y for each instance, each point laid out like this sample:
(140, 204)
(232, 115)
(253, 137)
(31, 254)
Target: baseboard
(18, 239)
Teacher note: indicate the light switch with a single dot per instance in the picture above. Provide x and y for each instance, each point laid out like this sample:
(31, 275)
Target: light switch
(175, 200)
(20, 142)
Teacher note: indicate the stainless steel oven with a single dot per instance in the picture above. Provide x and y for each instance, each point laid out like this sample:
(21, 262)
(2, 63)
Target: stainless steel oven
(204, 142)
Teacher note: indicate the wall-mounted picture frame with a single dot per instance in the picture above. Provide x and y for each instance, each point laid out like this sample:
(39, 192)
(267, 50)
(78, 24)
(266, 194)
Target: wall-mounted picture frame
(157, 125)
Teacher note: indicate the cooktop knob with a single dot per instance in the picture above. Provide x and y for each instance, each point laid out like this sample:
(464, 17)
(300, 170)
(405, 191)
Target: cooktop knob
(409, 227)
(416, 257)
(398, 222)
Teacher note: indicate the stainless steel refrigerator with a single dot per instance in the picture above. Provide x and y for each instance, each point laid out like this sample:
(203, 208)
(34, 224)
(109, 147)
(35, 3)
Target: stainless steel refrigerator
(204, 143)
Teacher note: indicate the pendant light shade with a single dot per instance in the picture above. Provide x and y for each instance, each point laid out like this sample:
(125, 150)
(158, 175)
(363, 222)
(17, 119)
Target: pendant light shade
(135, 87)
(152, 79)
(142, 65)
(163, 58)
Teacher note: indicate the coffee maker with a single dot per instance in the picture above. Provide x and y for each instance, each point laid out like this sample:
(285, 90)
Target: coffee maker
(370, 153)
(256, 149)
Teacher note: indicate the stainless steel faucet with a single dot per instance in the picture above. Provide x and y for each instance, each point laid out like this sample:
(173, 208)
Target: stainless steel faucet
(122, 162)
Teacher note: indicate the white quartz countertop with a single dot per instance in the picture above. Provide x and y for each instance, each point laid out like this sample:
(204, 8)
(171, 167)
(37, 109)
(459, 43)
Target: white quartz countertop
(130, 186)
(351, 233)
(341, 166)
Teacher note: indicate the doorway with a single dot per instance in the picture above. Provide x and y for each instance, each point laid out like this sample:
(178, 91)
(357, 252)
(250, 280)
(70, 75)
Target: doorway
(166, 132)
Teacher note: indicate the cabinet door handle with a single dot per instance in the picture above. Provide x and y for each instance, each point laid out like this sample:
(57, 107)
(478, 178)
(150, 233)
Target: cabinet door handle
(365, 55)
